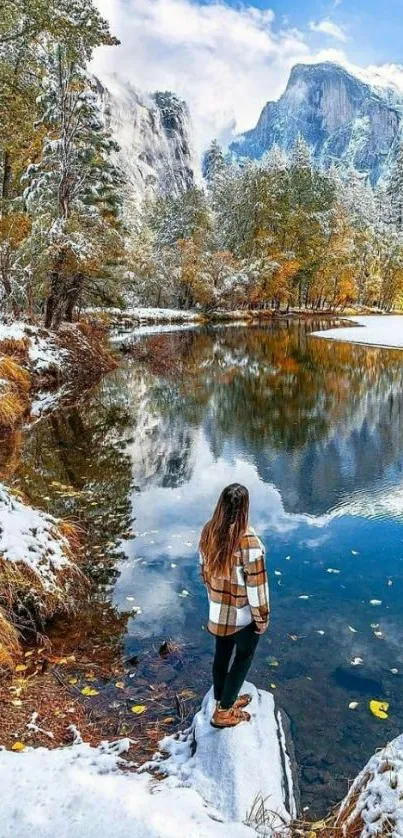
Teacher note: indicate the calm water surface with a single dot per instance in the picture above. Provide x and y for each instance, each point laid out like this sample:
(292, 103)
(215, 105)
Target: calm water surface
(315, 430)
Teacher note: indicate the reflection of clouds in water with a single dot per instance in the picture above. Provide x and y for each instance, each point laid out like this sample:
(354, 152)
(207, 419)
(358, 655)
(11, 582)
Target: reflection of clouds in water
(314, 543)
(156, 592)
(177, 515)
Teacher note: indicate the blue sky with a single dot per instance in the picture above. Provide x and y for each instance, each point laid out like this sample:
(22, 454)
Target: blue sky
(374, 29)
(227, 58)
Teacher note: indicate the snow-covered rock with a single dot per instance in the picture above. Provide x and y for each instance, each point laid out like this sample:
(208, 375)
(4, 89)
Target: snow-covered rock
(379, 330)
(373, 806)
(232, 768)
(154, 136)
(342, 117)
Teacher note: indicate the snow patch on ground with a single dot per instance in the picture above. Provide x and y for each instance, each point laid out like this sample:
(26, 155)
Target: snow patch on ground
(43, 352)
(30, 536)
(82, 792)
(149, 315)
(212, 779)
(377, 795)
(384, 331)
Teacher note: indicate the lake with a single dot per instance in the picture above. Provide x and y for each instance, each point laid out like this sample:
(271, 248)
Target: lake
(315, 430)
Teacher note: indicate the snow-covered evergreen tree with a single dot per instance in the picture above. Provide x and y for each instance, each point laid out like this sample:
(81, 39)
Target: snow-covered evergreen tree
(73, 192)
(214, 164)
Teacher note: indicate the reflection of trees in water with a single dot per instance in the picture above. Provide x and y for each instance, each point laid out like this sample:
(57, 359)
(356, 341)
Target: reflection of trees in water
(72, 464)
(319, 419)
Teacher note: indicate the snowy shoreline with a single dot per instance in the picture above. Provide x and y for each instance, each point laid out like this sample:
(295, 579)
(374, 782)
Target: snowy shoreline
(385, 331)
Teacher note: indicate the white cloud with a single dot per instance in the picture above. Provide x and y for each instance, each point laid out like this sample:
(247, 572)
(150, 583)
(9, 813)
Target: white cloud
(328, 27)
(225, 62)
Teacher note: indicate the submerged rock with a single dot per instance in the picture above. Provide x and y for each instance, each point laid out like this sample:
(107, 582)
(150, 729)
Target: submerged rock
(232, 769)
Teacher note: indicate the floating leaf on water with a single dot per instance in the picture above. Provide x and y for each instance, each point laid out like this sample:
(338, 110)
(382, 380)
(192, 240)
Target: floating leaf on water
(138, 709)
(184, 593)
(89, 691)
(273, 686)
(130, 598)
(379, 634)
(353, 705)
(173, 564)
(303, 596)
(278, 573)
(394, 671)
(354, 553)
(18, 746)
(273, 662)
(293, 637)
(390, 582)
(332, 570)
(357, 661)
(375, 602)
(287, 558)
(353, 629)
(320, 631)
(379, 708)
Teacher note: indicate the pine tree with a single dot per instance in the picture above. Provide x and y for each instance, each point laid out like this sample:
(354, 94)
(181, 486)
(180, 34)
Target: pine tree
(72, 192)
(214, 164)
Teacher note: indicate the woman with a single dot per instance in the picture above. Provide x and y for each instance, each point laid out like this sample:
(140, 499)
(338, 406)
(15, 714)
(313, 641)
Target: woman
(234, 571)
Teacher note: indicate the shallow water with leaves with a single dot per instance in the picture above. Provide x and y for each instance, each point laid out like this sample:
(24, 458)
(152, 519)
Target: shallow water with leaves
(315, 430)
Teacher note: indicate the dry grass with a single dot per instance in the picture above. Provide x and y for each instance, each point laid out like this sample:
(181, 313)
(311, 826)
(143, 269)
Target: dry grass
(12, 408)
(12, 371)
(16, 348)
(9, 643)
(14, 392)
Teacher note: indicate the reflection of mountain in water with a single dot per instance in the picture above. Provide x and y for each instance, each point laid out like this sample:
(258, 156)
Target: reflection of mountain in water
(358, 455)
(162, 450)
(320, 421)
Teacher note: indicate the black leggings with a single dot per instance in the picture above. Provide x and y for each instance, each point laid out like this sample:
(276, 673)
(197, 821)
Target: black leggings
(228, 681)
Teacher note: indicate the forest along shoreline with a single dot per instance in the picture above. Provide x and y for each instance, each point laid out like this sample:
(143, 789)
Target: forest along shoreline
(61, 658)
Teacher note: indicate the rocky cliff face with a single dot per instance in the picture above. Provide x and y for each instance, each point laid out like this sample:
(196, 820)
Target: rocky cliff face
(340, 116)
(153, 133)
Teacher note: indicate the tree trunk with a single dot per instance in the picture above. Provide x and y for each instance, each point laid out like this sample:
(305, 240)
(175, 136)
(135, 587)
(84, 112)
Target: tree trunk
(73, 295)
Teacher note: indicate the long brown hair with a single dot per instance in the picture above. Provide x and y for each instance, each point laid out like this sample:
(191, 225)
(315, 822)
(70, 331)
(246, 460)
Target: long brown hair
(221, 535)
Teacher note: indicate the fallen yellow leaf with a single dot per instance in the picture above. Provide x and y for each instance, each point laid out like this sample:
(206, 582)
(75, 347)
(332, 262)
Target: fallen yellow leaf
(379, 708)
(89, 691)
(21, 667)
(18, 746)
(120, 685)
(138, 709)
(73, 681)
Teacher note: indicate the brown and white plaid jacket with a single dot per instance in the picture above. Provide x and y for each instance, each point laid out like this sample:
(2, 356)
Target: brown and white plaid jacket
(237, 601)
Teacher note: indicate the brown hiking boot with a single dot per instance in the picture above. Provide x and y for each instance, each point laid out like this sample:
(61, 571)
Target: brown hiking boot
(242, 701)
(228, 718)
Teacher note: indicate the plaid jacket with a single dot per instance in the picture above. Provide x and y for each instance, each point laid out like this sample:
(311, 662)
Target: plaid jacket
(235, 602)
